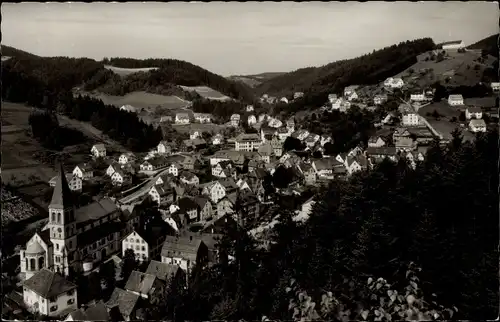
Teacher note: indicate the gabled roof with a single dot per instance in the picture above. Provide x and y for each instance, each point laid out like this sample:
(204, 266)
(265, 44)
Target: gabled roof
(99, 147)
(95, 210)
(228, 183)
(162, 271)
(95, 312)
(181, 246)
(386, 150)
(62, 197)
(84, 167)
(477, 123)
(474, 109)
(126, 301)
(48, 284)
(139, 282)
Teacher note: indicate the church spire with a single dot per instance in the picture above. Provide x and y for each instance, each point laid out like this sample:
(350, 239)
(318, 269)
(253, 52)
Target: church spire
(62, 196)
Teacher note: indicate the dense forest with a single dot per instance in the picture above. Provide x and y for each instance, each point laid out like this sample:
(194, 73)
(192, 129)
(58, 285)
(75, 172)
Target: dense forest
(489, 44)
(221, 110)
(390, 244)
(170, 72)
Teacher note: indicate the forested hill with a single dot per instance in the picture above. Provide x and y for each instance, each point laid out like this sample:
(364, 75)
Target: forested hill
(331, 78)
(490, 44)
(170, 72)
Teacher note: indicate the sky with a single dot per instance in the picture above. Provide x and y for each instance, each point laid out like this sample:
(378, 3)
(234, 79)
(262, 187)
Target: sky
(239, 38)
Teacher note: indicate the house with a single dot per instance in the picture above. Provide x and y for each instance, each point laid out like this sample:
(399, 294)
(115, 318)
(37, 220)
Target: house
(126, 302)
(74, 182)
(417, 96)
(477, 126)
(262, 117)
(311, 140)
(356, 163)
(204, 208)
(388, 82)
(112, 168)
(147, 241)
(164, 148)
(49, 293)
(250, 108)
(298, 95)
(284, 100)
(290, 125)
(146, 286)
(119, 177)
(126, 158)
(300, 134)
(235, 120)
(324, 139)
(495, 86)
(217, 139)
(94, 312)
(186, 209)
(247, 142)
(83, 171)
(277, 146)
(274, 123)
(355, 151)
(376, 142)
(194, 134)
(380, 99)
(185, 251)
(332, 98)
(413, 157)
(174, 169)
(402, 139)
(325, 167)
(203, 117)
(282, 134)
(168, 273)
(251, 120)
(98, 150)
(453, 45)
(308, 172)
(249, 206)
(350, 92)
(214, 190)
(196, 144)
(189, 178)
(153, 164)
(411, 118)
(381, 152)
(266, 151)
(162, 193)
(242, 185)
(219, 170)
(455, 100)
(473, 112)
(182, 118)
(336, 104)
(128, 108)
(396, 83)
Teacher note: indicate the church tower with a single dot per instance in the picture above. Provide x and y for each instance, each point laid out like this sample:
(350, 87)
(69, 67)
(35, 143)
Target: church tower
(62, 224)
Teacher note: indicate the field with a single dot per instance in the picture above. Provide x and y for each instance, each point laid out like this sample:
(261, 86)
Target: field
(445, 128)
(140, 100)
(207, 92)
(127, 71)
(454, 66)
(210, 128)
(442, 108)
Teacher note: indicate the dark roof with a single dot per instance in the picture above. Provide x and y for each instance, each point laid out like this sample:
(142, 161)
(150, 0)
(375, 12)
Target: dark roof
(385, 150)
(228, 183)
(181, 246)
(62, 197)
(95, 210)
(126, 301)
(474, 109)
(95, 312)
(186, 204)
(92, 235)
(48, 284)
(453, 42)
(141, 283)
(162, 271)
(201, 201)
(45, 236)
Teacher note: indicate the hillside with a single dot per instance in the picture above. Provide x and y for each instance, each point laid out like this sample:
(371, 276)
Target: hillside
(255, 80)
(165, 79)
(489, 44)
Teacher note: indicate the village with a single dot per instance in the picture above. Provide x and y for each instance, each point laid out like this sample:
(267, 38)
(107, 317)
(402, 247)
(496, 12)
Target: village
(168, 208)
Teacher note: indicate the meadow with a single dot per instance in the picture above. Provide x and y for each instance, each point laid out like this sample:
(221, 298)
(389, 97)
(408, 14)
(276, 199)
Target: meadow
(127, 71)
(206, 92)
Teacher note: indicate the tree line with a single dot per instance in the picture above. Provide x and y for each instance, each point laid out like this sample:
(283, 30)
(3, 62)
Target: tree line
(355, 256)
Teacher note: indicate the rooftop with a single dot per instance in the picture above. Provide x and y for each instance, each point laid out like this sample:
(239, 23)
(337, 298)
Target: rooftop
(48, 284)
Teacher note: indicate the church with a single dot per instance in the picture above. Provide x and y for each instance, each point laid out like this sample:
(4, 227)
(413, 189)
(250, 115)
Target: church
(74, 239)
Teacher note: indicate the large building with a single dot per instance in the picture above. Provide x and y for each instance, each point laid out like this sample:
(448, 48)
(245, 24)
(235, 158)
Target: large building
(247, 142)
(73, 236)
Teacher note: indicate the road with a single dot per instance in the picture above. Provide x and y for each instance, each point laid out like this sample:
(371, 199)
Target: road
(144, 190)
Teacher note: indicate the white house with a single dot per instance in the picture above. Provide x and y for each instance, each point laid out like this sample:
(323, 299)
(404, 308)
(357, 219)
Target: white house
(215, 191)
(174, 169)
(119, 177)
(194, 134)
(273, 122)
(164, 148)
(417, 96)
(262, 117)
(394, 82)
(451, 45)
(350, 92)
(380, 99)
(290, 125)
(235, 120)
(138, 244)
(411, 118)
(49, 293)
(74, 182)
(298, 95)
(128, 108)
(203, 117)
(284, 100)
(251, 120)
(477, 126)
(83, 171)
(98, 150)
(332, 98)
(376, 142)
(473, 112)
(249, 108)
(217, 139)
(247, 142)
(112, 168)
(182, 118)
(455, 100)
(495, 86)
(126, 158)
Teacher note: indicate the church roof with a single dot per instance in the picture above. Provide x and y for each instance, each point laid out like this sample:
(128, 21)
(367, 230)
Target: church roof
(34, 248)
(62, 196)
(48, 284)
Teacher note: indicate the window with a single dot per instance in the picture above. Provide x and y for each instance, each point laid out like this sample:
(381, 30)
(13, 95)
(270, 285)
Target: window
(70, 244)
(57, 246)
(59, 217)
(143, 248)
(53, 217)
(136, 247)
(58, 259)
(137, 241)
(53, 308)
